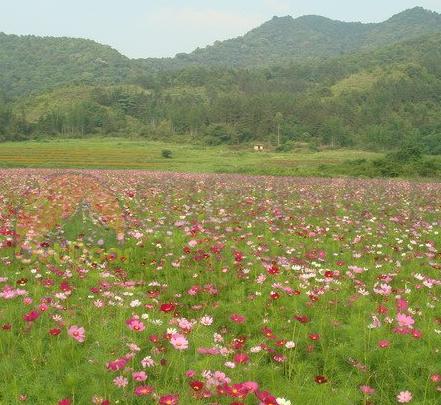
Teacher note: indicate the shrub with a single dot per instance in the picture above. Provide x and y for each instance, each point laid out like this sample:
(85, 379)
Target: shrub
(167, 153)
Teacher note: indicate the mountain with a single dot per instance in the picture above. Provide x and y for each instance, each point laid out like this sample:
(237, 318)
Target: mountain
(372, 86)
(374, 99)
(286, 39)
(30, 64)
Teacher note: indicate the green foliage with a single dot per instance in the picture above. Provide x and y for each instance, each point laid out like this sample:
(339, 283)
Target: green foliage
(376, 99)
(166, 153)
(285, 39)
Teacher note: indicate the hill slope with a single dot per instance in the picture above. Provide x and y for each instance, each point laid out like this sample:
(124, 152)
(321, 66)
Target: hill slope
(30, 64)
(287, 39)
(372, 99)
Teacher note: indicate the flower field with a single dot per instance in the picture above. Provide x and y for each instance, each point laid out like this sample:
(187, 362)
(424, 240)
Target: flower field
(132, 287)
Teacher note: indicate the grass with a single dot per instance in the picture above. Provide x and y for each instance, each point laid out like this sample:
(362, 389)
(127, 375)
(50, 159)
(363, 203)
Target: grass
(138, 154)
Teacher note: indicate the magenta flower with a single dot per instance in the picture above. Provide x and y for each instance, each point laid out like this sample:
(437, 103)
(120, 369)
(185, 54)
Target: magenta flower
(405, 321)
(139, 376)
(135, 324)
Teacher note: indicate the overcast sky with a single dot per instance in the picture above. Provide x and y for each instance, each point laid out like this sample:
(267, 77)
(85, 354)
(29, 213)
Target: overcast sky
(147, 28)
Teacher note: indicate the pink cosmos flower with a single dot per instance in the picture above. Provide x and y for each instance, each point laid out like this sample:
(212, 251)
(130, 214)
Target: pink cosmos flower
(143, 390)
(206, 320)
(135, 324)
(139, 376)
(436, 378)
(404, 397)
(367, 390)
(405, 320)
(169, 400)
(383, 344)
(147, 362)
(241, 358)
(120, 381)
(179, 342)
(78, 333)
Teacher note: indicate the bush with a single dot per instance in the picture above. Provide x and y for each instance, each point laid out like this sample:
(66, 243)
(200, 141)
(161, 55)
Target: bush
(167, 153)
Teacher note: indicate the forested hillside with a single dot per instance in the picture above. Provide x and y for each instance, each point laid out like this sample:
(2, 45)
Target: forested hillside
(373, 98)
(30, 64)
(287, 39)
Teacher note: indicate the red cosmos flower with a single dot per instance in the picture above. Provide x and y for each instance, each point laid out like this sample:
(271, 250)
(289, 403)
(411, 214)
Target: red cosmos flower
(55, 331)
(154, 338)
(241, 358)
(382, 309)
(143, 390)
(64, 286)
(48, 282)
(65, 401)
(169, 307)
(302, 318)
(417, 334)
(266, 398)
(274, 295)
(238, 342)
(329, 274)
(273, 269)
(237, 318)
(7, 326)
(314, 336)
(238, 256)
(31, 316)
(237, 391)
(268, 333)
(196, 385)
(169, 400)
(320, 379)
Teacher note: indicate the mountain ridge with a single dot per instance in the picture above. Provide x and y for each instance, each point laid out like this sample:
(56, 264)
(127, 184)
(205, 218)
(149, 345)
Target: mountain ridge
(30, 64)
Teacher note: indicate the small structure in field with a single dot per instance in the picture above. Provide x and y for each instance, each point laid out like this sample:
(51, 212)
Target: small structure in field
(259, 148)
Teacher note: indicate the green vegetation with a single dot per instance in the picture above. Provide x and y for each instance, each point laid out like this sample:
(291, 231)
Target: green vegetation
(287, 39)
(374, 99)
(113, 153)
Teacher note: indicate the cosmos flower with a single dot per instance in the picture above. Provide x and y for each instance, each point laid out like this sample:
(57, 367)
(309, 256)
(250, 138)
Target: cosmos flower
(179, 342)
(78, 333)
(404, 397)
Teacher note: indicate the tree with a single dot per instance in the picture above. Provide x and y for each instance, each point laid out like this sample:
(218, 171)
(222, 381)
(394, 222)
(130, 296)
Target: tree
(278, 119)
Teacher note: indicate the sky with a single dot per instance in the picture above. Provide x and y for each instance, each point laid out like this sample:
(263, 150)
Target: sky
(160, 28)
